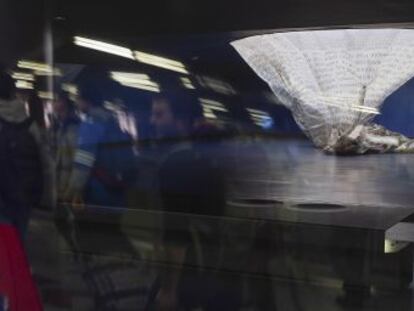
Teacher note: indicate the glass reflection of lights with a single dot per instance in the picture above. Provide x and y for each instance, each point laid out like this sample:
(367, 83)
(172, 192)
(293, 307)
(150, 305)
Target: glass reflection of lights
(161, 62)
(126, 120)
(216, 85)
(48, 113)
(53, 72)
(392, 247)
(24, 85)
(261, 118)
(186, 82)
(210, 107)
(23, 76)
(45, 95)
(213, 104)
(70, 88)
(136, 80)
(142, 57)
(103, 47)
(209, 113)
(38, 68)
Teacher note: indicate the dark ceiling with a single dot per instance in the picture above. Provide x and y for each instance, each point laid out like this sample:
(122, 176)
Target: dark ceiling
(192, 16)
(22, 22)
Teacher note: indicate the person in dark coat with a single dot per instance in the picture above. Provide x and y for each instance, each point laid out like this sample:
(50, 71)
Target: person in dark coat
(193, 197)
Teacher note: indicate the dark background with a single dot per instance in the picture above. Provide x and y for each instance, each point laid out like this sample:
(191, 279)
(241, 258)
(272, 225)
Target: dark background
(22, 22)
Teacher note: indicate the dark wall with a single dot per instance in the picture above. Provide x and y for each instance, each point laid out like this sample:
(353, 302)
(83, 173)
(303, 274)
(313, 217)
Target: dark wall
(21, 28)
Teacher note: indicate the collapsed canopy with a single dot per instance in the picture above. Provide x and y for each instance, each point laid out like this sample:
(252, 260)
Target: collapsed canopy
(334, 81)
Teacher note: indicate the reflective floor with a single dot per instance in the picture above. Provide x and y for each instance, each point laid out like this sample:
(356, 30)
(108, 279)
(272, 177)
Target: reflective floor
(301, 231)
(296, 171)
(61, 280)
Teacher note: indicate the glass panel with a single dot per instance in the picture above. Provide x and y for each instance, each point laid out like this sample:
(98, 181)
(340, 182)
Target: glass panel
(184, 159)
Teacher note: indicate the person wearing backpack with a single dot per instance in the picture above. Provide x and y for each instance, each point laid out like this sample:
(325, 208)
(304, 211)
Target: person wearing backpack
(21, 185)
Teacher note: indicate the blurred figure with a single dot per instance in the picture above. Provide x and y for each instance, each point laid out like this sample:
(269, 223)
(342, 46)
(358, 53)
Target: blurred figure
(36, 110)
(64, 137)
(175, 120)
(103, 155)
(38, 128)
(103, 158)
(191, 188)
(21, 184)
(173, 124)
(64, 132)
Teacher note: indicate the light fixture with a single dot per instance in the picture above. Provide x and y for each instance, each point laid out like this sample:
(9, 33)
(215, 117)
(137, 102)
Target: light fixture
(26, 64)
(213, 104)
(216, 85)
(186, 82)
(24, 85)
(52, 72)
(136, 80)
(259, 117)
(208, 113)
(142, 57)
(129, 76)
(70, 88)
(23, 76)
(161, 62)
(103, 47)
(154, 89)
(391, 246)
(39, 69)
(210, 107)
(45, 95)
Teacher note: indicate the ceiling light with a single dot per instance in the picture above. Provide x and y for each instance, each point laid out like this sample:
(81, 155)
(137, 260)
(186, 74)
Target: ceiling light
(23, 76)
(136, 80)
(216, 85)
(70, 88)
(187, 83)
(139, 56)
(129, 77)
(260, 117)
(54, 72)
(213, 104)
(209, 113)
(24, 85)
(40, 69)
(159, 61)
(103, 47)
(45, 95)
(144, 87)
(210, 107)
(25, 64)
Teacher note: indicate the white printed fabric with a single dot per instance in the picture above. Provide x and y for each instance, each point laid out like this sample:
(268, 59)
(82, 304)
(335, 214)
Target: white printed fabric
(335, 81)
